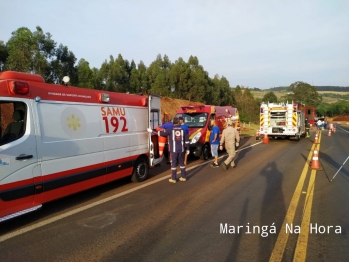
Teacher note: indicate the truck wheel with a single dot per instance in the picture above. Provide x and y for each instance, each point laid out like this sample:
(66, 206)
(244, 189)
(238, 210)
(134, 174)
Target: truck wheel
(298, 137)
(205, 152)
(140, 170)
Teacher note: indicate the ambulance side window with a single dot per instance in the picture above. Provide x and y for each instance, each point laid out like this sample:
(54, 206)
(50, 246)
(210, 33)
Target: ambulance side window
(154, 119)
(12, 121)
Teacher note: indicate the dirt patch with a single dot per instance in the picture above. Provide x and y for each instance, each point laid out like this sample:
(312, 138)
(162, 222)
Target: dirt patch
(170, 106)
(343, 117)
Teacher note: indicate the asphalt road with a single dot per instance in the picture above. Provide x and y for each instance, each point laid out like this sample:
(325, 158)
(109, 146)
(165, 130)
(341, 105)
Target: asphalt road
(241, 214)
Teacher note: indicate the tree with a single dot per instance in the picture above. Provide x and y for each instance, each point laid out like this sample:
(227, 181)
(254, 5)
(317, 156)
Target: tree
(3, 55)
(180, 78)
(63, 65)
(43, 52)
(304, 93)
(199, 83)
(246, 104)
(270, 97)
(85, 74)
(158, 77)
(21, 47)
(30, 52)
(222, 94)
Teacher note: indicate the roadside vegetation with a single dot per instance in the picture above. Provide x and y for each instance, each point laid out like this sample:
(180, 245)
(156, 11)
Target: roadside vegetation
(36, 52)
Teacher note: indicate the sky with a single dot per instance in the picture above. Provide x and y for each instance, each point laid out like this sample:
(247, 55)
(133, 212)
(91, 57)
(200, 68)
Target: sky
(252, 43)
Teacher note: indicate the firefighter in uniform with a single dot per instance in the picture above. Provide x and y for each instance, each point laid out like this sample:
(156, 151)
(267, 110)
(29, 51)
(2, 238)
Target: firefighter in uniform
(231, 138)
(307, 127)
(179, 144)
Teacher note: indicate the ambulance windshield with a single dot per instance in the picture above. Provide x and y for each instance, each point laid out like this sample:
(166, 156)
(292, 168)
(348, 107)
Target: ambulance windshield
(194, 119)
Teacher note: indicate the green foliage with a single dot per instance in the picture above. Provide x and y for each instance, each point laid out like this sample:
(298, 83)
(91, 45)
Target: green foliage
(337, 96)
(62, 65)
(304, 93)
(3, 55)
(270, 97)
(21, 48)
(246, 104)
(85, 74)
(338, 108)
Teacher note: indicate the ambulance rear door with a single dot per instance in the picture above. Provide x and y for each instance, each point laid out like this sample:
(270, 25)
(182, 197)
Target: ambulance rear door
(154, 121)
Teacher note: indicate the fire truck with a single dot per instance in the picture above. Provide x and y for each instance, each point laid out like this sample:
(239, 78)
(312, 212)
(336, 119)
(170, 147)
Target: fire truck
(63, 139)
(197, 118)
(310, 114)
(286, 120)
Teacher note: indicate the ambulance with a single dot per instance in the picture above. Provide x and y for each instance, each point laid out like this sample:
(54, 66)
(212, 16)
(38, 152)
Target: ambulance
(198, 117)
(56, 140)
(284, 120)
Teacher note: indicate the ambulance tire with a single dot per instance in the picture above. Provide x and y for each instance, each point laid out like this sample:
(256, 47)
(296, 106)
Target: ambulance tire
(205, 152)
(140, 170)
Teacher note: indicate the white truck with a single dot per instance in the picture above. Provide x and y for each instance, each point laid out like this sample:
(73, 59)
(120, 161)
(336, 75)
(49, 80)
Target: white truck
(285, 120)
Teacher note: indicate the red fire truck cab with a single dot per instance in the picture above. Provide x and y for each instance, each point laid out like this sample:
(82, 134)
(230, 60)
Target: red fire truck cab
(197, 118)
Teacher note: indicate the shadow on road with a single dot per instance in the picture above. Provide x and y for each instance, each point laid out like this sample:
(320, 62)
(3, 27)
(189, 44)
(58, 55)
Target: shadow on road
(232, 255)
(273, 208)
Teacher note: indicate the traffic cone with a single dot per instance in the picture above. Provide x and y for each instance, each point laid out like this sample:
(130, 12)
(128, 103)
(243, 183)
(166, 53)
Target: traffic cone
(161, 142)
(266, 138)
(315, 161)
(329, 132)
(316, 141)
(258, 136)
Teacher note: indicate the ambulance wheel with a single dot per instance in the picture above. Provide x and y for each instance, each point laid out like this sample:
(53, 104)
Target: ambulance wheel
(205, 153)
(140, 170)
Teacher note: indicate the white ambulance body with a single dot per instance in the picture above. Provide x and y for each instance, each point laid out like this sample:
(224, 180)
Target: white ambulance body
(282, 120)
(64, 139)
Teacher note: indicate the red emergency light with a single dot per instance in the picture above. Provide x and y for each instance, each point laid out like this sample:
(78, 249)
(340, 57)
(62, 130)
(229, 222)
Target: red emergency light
(19, 88)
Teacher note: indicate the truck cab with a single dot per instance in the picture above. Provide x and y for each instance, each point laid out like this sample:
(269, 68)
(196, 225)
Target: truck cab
(197, 118)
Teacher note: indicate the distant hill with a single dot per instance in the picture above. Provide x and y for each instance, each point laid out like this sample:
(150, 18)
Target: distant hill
(328, 97)
(318, 88)
(333, 88)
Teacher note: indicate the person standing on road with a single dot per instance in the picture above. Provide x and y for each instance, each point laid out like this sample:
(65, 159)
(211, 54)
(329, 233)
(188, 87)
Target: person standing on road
(179, 143)
(186, 129)
(319, 124)
(214, 142)
(164, 126)
(307, 128)
(231, 138)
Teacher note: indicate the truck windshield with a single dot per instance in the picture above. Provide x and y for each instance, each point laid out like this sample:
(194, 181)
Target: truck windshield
(194, 119)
